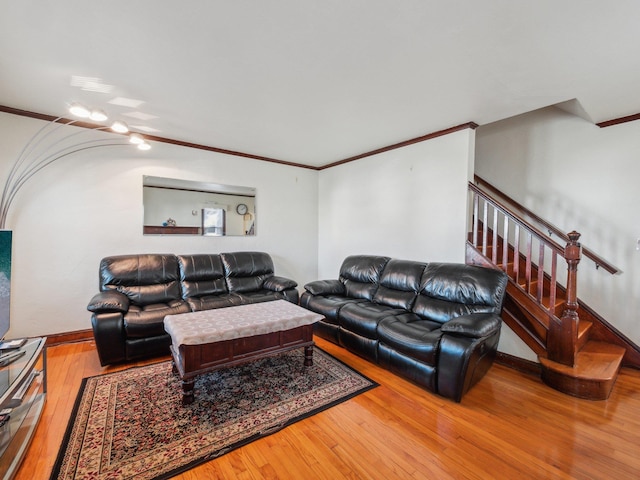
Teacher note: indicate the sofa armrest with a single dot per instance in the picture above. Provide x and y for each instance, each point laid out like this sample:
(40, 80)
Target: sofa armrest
(468, 346)
(325, 287)
(108, 332)
(279, 284)
(474, 325)
(109, 301)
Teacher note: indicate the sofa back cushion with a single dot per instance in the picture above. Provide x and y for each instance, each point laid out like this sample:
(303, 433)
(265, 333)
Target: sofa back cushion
(246, 271)
(399, 283)
(201, 274)
(361, 274)
(146, 279)
(448, 290)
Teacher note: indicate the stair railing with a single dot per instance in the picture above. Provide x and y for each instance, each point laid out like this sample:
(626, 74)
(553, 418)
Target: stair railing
(495, 230)
(551, 229)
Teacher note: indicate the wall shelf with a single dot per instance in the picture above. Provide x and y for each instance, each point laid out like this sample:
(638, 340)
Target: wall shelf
(160, 230)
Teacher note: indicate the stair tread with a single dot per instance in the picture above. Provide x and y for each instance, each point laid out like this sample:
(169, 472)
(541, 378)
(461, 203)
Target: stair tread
(596, 361)
(584, 326)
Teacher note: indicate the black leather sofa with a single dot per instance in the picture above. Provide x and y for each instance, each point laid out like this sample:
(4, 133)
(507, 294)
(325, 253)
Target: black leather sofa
(437, 324)
(137, 291)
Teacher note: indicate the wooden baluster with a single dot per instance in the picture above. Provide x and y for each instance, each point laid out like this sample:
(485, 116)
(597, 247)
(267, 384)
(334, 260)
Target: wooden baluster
(516, 253)
(527, 279)
(494, 243)
(485, 214)
(505, 243)
(562, 338)
(540, 289)
(553, 286)
(475, 220)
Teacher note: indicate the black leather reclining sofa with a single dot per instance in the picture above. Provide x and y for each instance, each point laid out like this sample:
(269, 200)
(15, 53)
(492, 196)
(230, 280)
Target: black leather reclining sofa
(137, 291)
(437, 324)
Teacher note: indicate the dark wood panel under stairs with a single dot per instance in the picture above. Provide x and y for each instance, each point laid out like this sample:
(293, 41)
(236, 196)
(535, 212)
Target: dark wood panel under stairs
(527, 312)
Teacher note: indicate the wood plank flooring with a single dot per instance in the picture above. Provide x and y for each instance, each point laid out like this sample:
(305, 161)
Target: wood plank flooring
(509, 426)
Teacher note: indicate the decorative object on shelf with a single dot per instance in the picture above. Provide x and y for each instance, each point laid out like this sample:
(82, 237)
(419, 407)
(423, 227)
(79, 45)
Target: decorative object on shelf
(169, 223)
(50, 144)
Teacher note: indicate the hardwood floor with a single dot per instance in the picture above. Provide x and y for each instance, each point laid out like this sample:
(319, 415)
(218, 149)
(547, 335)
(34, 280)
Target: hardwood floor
(509, 426)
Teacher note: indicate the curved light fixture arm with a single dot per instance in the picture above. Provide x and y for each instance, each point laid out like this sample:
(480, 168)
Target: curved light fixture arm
(37, 159)
(8, 200)
(29, 149)
(26, 150)
(36, 167)
(33, 157)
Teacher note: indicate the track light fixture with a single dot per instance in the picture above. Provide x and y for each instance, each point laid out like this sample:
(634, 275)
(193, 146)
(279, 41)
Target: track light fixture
(98, 116)
(79, 110)
(136, 139)
(119, 127)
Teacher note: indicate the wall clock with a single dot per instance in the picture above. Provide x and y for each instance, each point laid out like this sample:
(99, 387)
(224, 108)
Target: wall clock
(242, 209)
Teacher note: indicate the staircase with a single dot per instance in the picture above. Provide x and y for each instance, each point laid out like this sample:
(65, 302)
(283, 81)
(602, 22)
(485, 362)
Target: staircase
(579, 352)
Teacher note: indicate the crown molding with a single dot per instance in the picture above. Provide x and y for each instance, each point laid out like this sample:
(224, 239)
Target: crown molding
(618, 121)
(50, 118)
(180, 143)
(395, 146)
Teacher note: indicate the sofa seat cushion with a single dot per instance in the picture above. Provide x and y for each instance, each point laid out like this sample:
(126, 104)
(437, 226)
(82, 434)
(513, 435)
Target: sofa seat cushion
(145, 321)
(363, 317)
(410, 334)
(207, 302)
(258, 296)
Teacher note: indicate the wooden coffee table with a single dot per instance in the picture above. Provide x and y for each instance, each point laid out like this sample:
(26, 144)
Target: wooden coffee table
(209, 340)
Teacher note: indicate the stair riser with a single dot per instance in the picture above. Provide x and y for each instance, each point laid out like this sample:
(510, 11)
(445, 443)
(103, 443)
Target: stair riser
(578, 387)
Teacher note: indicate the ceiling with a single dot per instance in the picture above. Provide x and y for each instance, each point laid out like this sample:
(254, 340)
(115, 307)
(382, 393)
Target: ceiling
(314, 82)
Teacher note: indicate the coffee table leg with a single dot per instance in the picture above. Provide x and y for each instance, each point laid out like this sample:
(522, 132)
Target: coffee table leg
(187, 391)
(308, 356)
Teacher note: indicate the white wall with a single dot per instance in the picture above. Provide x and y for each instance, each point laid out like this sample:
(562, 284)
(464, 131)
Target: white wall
(408, 203)
(89, 205)
(582, 177)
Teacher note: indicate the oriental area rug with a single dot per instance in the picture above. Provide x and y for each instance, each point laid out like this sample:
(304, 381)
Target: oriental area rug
(131, 424)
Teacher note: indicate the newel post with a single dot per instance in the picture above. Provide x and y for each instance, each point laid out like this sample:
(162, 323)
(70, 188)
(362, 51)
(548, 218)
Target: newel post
(562, 339)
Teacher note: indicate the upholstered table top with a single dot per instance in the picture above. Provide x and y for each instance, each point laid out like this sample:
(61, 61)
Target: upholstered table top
(208, 326)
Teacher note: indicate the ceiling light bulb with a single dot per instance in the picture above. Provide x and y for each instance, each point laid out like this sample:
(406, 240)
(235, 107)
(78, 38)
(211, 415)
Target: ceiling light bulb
(119, 127)
(144, 146)
(98, 115)
(136, 139)
(79, 110)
